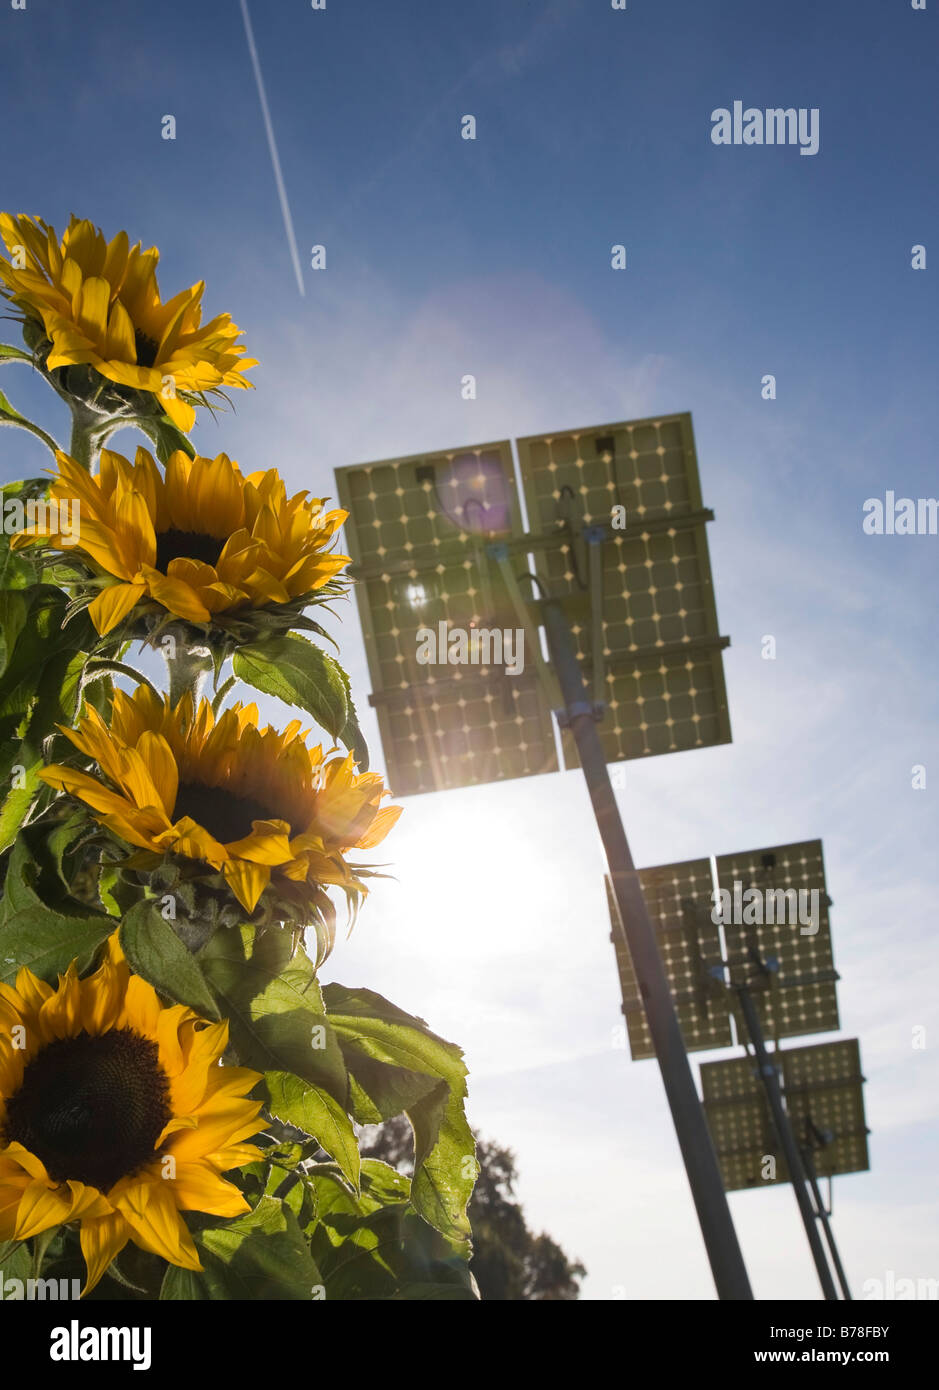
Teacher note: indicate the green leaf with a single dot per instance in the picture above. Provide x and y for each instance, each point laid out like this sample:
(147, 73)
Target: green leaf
(13, 354)
(43, 639)
(19, 799)
(60, 839)
(296, 671)
(445, 1166)
(372, 1026)
(385, 1048)
(185, 1285)
(14, 606)
(47, 942)
(39, 927)
(15, 1263)
(19, 887)
(38, 690)
(351, 736)
(375, 1246)
(274, 1006)
(48, 709)
(314, 1110)
(154, 951)
(379, 1092)
(262, 1255)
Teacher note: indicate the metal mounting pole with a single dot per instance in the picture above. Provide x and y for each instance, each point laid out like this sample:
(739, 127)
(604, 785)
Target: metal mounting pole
(787, 1139)
(826, 1224)
(704, 1174)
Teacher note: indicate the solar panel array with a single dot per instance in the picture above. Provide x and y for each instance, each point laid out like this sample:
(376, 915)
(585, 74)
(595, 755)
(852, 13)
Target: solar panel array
(801, 996)
(417, 532)
(659, 670)
(823, 1092)
(420, 533)
(689, 944)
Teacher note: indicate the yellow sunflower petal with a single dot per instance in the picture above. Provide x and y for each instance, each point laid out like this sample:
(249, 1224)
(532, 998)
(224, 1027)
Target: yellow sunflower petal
(176, 595)
(161, 765)
(40, 1207)
(150, 1211)
(113, 604)
(247, 881)
(101, 1240)
(199, 1188)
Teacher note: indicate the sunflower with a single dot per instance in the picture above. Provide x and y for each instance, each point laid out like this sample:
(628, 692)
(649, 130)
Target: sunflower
(99, 305)
(202, 540)
(257, 805)
(115, 1113)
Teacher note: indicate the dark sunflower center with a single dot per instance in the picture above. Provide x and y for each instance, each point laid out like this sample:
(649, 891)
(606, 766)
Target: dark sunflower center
(189, 545)
(225, 816)
(91, 1108)
(146, 349)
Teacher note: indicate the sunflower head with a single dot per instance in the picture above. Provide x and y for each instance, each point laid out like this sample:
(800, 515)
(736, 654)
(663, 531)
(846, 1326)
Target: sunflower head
(202, 542)
(116, 1115)
(260, 811)
(94, 304)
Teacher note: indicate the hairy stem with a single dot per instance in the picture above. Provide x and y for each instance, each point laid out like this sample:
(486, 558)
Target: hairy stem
(82, 443)
(187, 666)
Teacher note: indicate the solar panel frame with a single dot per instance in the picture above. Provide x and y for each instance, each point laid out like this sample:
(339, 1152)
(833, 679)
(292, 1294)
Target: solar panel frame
(662, 671)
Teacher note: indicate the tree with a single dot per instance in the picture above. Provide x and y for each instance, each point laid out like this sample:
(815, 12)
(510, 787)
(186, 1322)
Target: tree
(509, 1261)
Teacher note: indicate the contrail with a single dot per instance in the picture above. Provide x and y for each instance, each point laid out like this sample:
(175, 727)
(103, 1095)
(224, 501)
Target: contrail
(281, 190)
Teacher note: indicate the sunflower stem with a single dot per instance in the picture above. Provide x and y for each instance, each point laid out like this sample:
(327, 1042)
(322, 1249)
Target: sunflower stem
(82, 443)
(187, 666)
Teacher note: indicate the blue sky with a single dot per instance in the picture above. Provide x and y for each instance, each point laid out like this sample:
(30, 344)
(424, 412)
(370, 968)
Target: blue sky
(492, 257)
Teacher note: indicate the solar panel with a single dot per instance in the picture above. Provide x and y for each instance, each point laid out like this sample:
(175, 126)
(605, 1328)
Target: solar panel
(823, 1092)
(417, 532)
(824, 1096)
(801, 996)
(422, 531)
(650, 645)
(689, 944)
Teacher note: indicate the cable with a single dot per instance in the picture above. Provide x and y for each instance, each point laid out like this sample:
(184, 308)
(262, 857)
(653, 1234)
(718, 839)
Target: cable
(569, 525)
(471, 501)
(535, 580)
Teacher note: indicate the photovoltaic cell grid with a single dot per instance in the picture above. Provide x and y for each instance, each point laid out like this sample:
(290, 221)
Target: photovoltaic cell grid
(801, 997)
(689, 944)
(822, 1083)
(824, 1086)
(663, 679)
(416, 532)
